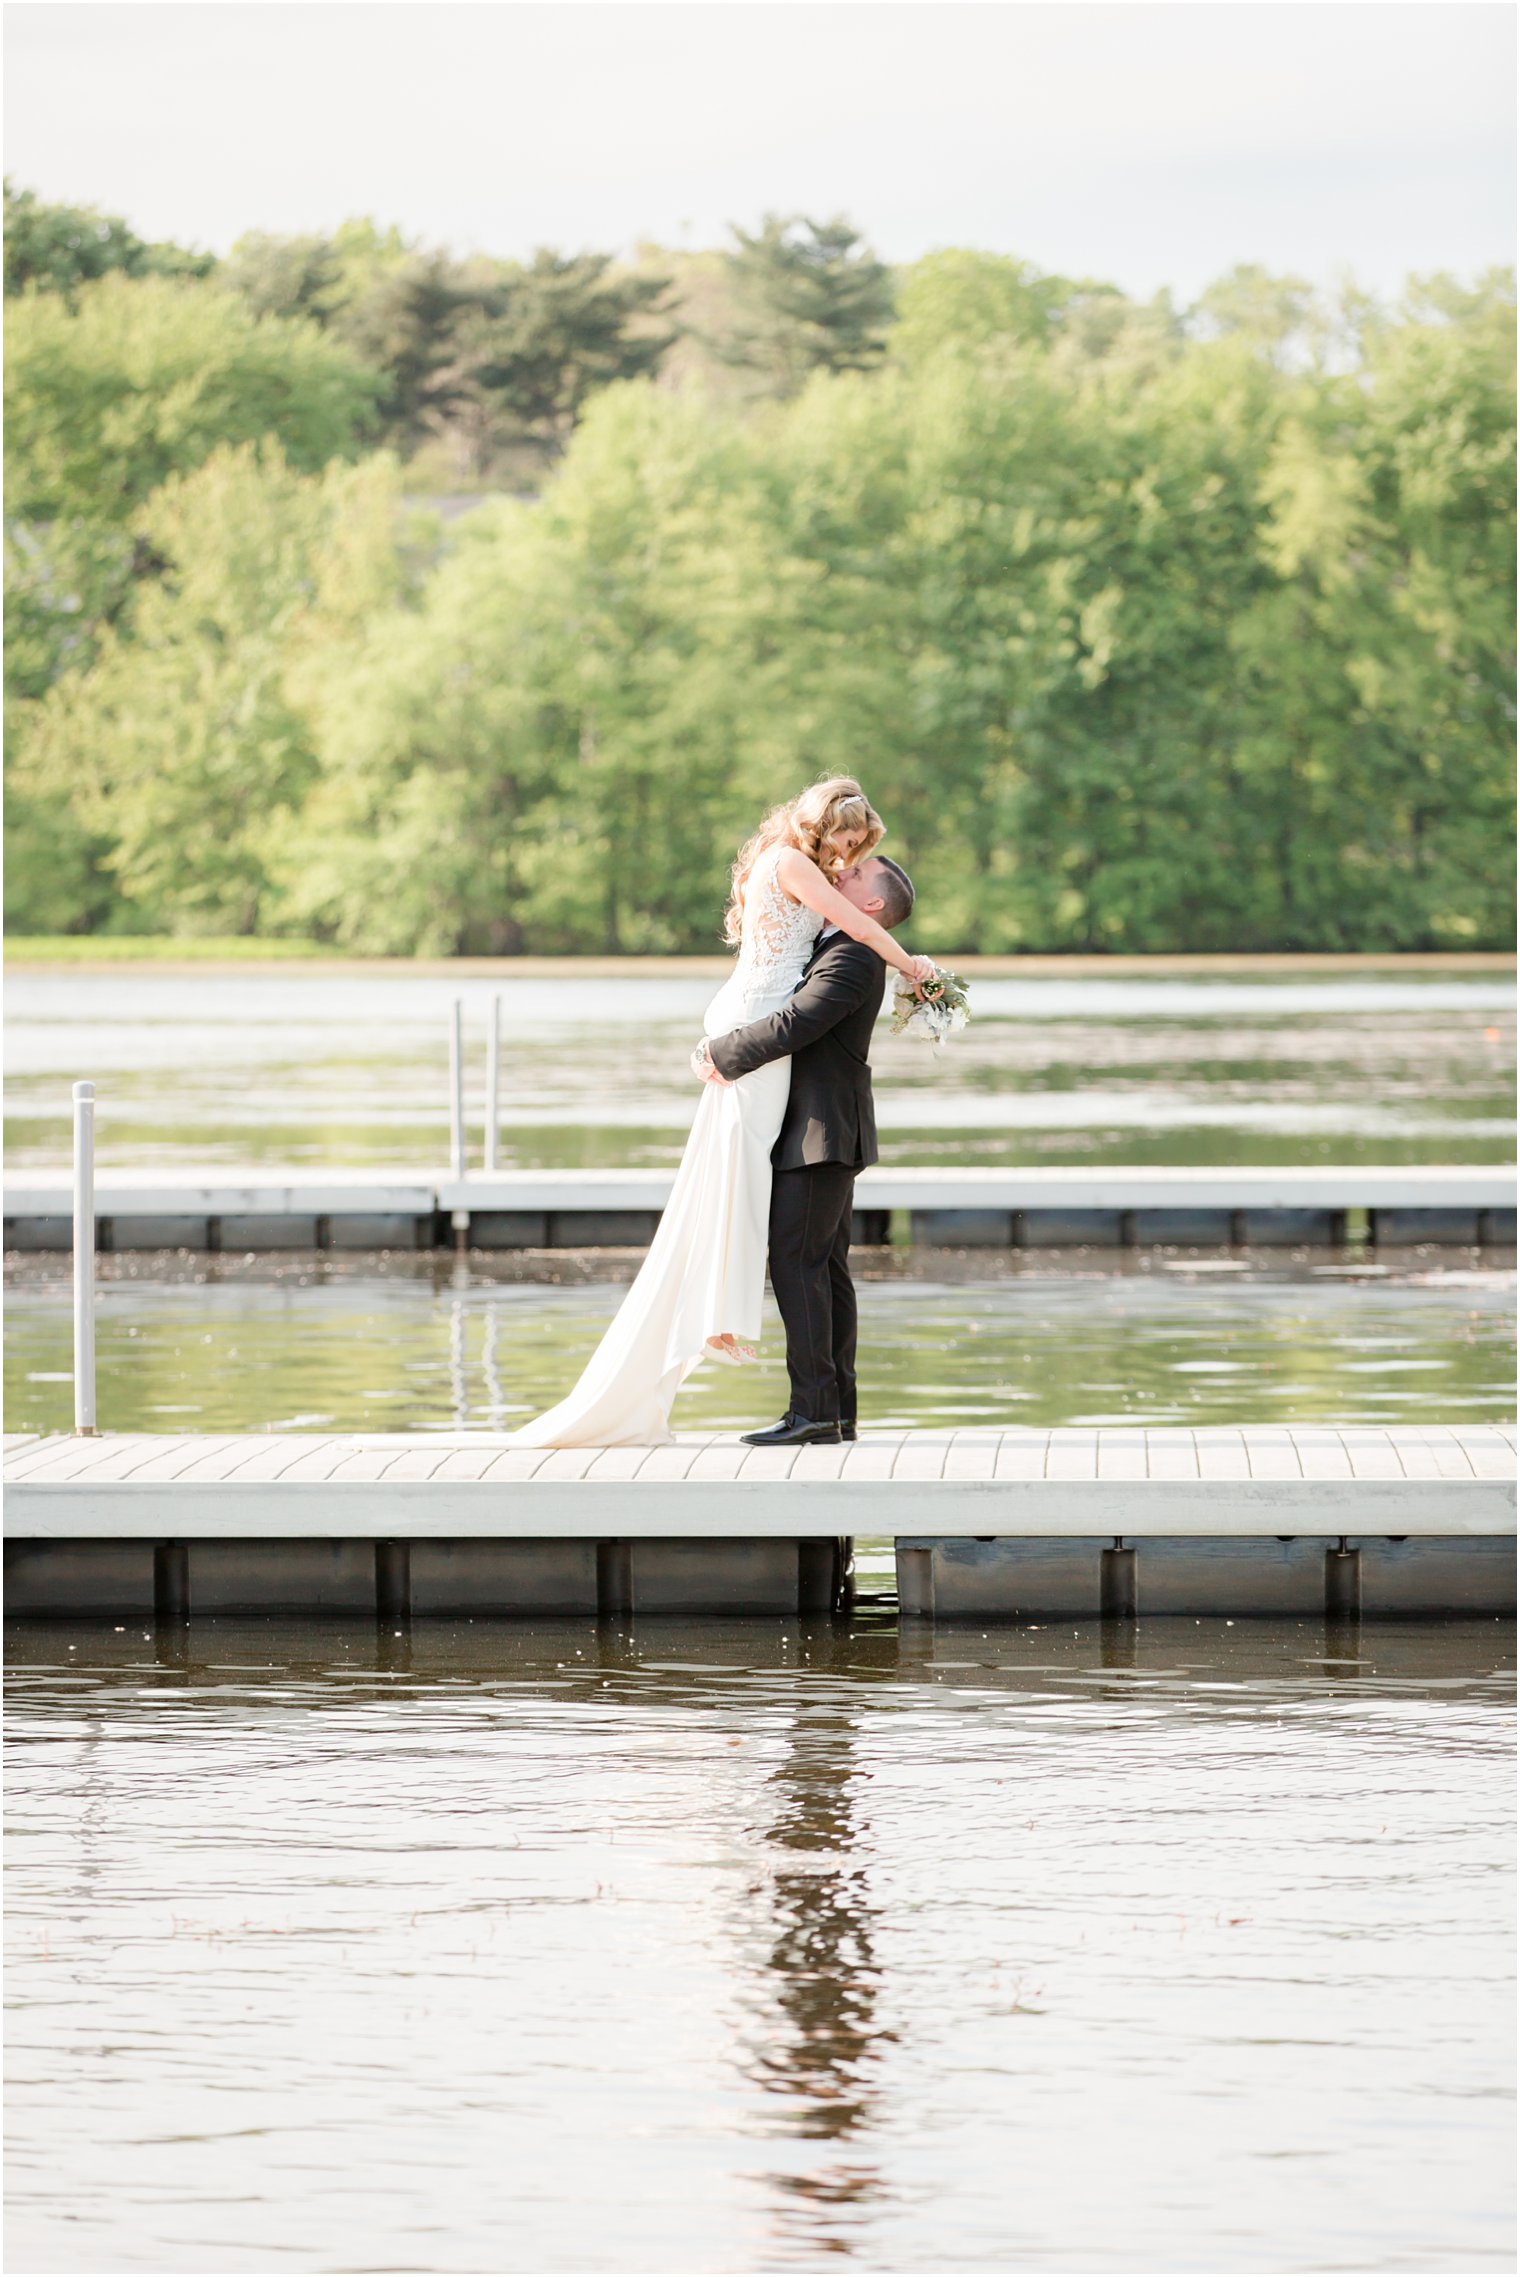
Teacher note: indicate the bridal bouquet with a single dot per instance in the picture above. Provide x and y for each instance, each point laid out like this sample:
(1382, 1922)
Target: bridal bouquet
(942, 1011)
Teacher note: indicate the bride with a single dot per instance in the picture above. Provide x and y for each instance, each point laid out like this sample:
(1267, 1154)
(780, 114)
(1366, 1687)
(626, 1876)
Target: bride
(697, 1294)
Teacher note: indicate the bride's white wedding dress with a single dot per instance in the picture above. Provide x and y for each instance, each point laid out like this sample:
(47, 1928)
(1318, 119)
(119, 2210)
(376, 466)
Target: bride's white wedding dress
(705, 1272)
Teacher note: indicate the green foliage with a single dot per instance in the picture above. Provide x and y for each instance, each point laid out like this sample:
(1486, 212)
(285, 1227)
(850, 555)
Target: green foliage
(62, 586)
(58, 248)
(1276, 315)
(476, 352)
(55, 875)
(1381, 659)
(63, 582)
(553, 332)
(184, 744)
(286, 276)
(810, 296)
(404, 324)
(111, 393)
(962, 299)
(1145, 631)
(143, 378)
(536, 755)
(155, 949)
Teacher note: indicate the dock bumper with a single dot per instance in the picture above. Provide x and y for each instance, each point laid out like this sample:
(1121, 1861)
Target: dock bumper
(1334, 1576)
(947, 1208)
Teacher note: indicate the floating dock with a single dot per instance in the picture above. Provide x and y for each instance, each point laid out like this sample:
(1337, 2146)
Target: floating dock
(954, 1208)
(988, 1524)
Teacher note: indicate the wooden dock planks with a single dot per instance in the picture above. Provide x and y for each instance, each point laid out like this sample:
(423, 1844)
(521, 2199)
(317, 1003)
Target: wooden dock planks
(1120, 1480)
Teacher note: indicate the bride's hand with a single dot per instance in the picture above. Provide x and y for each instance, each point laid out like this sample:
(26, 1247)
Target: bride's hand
(924, 970)
(702, 1064)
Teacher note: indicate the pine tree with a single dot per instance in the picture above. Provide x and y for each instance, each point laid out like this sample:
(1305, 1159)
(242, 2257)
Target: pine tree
(809, 297)
(552, 331)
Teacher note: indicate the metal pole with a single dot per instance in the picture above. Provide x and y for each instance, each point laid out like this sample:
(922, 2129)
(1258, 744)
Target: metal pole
(493, 1081)
(84, 1260)
(457, 1153)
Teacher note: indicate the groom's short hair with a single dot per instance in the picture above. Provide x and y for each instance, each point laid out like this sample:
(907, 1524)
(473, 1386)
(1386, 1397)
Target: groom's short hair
(896, 890)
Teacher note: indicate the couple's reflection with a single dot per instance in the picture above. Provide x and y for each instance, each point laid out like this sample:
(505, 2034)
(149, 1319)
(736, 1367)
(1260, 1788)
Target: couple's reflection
(823, 2045)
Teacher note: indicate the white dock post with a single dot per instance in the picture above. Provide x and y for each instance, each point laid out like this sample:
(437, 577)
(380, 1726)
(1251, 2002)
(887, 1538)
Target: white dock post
(493, 1081)
(457, 1151)
(84, 1260)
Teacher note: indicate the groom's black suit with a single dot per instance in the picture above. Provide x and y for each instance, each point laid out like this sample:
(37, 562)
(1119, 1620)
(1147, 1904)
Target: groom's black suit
(827, 1135)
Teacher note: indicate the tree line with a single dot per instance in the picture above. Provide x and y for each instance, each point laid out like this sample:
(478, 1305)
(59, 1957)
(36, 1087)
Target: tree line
(1147, 628)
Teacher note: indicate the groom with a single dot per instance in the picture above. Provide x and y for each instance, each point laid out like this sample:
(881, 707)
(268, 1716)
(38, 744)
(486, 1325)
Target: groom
(828, 1134)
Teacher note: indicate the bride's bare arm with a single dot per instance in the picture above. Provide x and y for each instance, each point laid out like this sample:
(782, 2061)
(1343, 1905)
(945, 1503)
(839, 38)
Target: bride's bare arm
(806, 883)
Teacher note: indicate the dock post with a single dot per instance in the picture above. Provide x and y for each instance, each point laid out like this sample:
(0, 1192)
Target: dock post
(1118, 1590)
(393, 1585)
(1343, 1583)
(820, 1575)
(84, 1260)
(458, 1155)
(171, 1585)
(493, 1081)
(614, 1582)
(915, 1585)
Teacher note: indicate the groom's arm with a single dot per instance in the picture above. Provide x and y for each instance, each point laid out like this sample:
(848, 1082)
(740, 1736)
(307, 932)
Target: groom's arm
(830, 993)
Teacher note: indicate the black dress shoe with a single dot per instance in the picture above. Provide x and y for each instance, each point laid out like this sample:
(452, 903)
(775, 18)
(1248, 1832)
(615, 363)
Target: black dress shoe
(794, 1431)
(848, 1431)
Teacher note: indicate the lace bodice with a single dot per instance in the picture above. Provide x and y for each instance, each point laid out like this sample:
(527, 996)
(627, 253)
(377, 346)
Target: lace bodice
(778, 932)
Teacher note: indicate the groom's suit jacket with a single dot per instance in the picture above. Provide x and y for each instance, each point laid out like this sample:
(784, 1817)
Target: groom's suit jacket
(825, 1029)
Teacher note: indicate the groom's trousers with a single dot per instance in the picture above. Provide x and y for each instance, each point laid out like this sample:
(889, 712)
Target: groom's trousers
(810, 1273)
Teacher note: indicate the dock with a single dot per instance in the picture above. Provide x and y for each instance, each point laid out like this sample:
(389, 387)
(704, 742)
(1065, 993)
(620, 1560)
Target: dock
(987, 1524)
(937, 1208)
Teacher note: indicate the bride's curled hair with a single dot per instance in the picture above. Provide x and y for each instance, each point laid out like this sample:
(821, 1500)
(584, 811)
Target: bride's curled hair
(808, 822)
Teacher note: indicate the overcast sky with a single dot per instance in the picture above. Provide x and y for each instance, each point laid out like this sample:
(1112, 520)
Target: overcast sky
(1150, 142)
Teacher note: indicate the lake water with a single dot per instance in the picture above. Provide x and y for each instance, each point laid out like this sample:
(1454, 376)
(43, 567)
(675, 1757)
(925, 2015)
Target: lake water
(319, 1343)
(336, 1067)
(759, 1948)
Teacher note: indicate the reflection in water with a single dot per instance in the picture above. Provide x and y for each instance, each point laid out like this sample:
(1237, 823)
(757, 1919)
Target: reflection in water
(337, 1951)
(303, 1344)
(459, 1391)
(490, 1372)
(339, 1069)
(1119, 1642)
(825, 2046)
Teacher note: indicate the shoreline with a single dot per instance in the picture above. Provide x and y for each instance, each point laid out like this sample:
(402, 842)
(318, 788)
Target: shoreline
(299, 961)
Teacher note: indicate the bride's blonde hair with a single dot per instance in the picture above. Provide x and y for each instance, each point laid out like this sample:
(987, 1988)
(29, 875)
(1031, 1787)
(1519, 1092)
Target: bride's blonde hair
(807, 822)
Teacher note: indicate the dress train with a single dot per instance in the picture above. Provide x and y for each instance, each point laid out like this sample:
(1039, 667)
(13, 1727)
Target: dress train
(704, 1275)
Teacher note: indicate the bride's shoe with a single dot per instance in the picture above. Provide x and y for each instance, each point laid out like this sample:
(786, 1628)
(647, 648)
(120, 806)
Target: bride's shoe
(732, 1354)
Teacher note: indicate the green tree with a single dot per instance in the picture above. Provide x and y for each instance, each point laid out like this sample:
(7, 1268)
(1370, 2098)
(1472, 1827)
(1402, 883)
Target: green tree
(809, 296)
(184, 745)
(286, 276)
(1379, 662)
(313, 276)
(403, 323)
(1278, 316)
(544, 753)
(958, 298)
(63, 586)
(146, 377)
(58, 248)
(1144, 634)
(106, 393)
(1131, 802)
(551, 333)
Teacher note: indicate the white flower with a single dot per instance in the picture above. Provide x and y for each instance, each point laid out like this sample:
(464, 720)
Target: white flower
(934, 1019)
